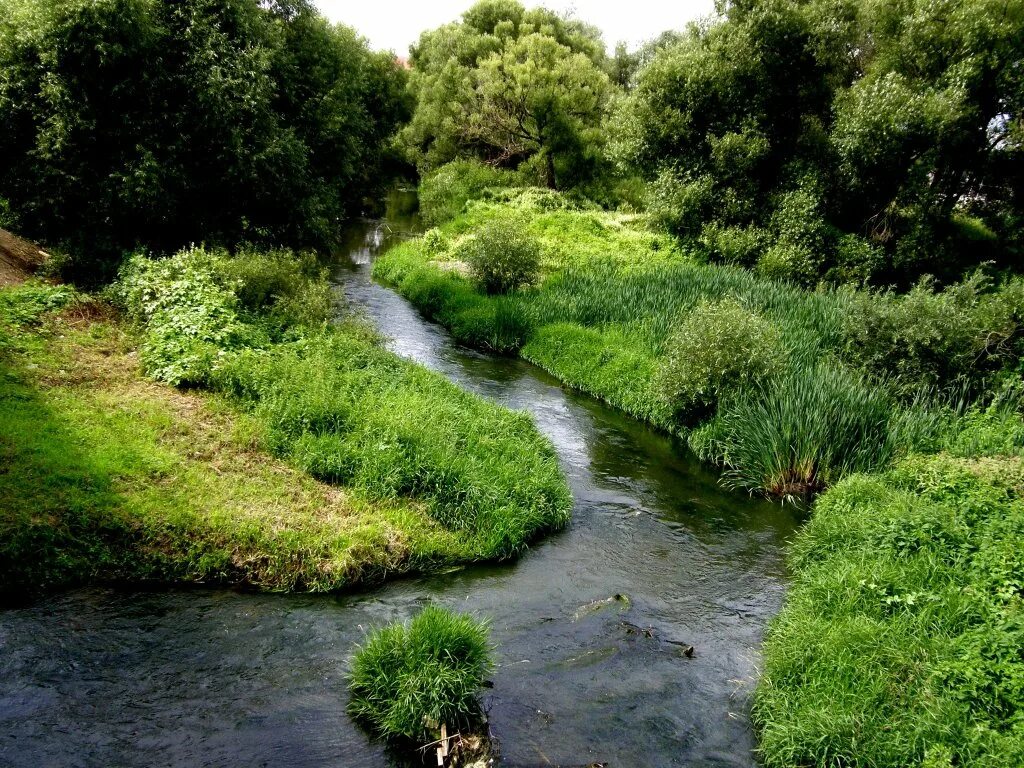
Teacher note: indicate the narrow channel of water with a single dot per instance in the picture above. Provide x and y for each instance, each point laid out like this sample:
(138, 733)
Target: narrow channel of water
(98, 677)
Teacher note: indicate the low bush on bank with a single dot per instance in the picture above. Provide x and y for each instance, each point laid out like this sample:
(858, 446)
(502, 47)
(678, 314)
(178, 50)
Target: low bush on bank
(501, 255)
(899, 643)
(443, 193)
(339, 406)
(718, 350)
(407, 680)
(961, 335)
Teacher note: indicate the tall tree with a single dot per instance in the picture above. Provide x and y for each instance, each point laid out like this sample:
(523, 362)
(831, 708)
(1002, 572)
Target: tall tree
(159, 122)
(508, 85)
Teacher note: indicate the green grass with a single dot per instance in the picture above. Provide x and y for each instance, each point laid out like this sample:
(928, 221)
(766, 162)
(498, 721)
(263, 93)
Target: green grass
(109, 476)
(409, 679)
(900, 640)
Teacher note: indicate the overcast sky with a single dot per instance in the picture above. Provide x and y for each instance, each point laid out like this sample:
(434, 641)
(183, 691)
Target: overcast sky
(395, 24)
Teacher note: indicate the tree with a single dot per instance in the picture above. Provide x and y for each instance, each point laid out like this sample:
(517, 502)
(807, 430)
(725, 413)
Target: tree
(157, 123)
(849, 138)
(509, 86)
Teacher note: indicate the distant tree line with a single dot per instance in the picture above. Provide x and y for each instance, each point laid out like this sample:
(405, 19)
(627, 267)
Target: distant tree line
(837, 139)
(158, 123)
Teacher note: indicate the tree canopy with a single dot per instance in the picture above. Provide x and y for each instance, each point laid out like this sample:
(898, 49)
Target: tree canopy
(159, 123)
(841, 137)
(509, 85)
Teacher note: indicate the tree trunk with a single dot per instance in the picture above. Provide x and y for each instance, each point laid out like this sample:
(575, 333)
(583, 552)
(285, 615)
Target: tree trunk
(550, 170)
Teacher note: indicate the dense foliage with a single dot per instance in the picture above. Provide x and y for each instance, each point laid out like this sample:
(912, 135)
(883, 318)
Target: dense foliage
(510, 86)
(846, 140)
(501, 255)
(789, 389)
(161, 123)
(409, 679)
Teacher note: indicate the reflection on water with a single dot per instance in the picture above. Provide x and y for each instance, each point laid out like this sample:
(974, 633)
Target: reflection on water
(220, 678)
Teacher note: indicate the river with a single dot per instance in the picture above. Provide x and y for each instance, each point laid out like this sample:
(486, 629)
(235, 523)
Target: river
(221, 678)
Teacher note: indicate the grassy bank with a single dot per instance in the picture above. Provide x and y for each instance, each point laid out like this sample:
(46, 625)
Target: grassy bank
(381, 467)
(899, 643)
(900, 640)
(746, 367)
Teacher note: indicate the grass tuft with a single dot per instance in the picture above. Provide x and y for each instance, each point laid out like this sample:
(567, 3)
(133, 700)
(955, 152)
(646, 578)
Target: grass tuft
(409, 679)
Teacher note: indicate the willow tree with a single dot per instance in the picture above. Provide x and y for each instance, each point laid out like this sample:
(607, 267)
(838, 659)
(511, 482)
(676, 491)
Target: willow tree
(510, 86)
(846, 138)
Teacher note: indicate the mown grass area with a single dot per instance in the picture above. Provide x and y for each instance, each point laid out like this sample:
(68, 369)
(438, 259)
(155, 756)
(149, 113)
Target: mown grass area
(900, 640)
(108, 475)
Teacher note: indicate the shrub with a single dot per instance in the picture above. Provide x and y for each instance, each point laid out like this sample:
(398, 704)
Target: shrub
(433, 241)
(679, 204)
(789, 261)
(501, 255)
(8, 218)
(963, 333)
(856, 260)
(288, 288)
(444, 193)
(734, 245)
(190, 318)
(719, 349)
(408, 680)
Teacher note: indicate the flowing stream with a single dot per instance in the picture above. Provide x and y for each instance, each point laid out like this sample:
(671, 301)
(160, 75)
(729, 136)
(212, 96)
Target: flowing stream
(99, 677)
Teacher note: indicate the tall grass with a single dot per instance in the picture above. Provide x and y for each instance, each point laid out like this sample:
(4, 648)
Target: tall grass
(795, 435)
(899, 643)
(408, 680)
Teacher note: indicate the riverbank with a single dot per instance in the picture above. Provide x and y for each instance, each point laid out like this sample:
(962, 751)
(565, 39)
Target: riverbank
(900, 639)
(111, 476)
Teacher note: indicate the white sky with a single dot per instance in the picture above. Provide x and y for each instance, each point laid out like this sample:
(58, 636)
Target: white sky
(396, 24)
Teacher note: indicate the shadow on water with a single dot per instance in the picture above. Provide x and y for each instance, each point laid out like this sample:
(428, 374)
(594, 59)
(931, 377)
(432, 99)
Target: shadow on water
(230, 679)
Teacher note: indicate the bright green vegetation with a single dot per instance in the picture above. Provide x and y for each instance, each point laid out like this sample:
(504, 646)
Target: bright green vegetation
(793, 388)
(110, 477)
(900, 641)
(159, 123)
(525, 89)
(336, 404)
(846, 141)
(409, 679)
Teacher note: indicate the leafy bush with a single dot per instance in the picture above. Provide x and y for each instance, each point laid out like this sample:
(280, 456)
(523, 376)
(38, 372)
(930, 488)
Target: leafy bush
(679, 204)
(734, 245)
(408, 680)
(963, 333)
(719, 349)
(190, 317)
(288, 288)
(789, 261)
(8, 218)
(445, 192)
(501, 255)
